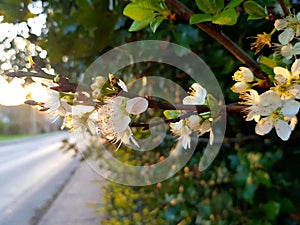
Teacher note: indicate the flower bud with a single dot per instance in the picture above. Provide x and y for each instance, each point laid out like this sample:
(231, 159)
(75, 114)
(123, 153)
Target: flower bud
(243, 74)
(240, 87)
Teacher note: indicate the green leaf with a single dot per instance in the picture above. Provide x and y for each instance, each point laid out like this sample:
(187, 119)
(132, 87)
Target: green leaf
(135, 12)
(199, 18)
(271, 209)
(171, 114)
(149, 4)
(254, 10)
(138, 25)
(271, 63)
(233, 4)
(155, 23)
(210, 6)
(227, 17)
(263, 178)
(218, 5)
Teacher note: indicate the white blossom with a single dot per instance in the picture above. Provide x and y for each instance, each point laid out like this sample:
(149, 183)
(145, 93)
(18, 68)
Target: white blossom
(286, 82)
(84, 118)
(183, 131)
(97, 85)
(260, 105)
(200, 126)
(56, 105)
(290, 26)
(283, 119)
(289, 51)
(243, 76)
(114, 118)
(197, 95)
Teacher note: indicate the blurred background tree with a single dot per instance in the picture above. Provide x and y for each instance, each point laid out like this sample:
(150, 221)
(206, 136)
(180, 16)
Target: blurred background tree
(255, 180)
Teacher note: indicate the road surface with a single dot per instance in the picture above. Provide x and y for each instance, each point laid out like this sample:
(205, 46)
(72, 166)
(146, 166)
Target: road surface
(33, 171)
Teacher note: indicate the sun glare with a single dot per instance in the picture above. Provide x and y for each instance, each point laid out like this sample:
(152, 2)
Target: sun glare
(37, 92)
(12, 93)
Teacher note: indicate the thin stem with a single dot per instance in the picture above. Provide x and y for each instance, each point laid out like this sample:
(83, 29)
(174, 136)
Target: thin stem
(232, 109)
(146, 126)
(239, 53)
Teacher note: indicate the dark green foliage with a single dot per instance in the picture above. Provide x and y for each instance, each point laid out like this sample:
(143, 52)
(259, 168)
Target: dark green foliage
(253, 181)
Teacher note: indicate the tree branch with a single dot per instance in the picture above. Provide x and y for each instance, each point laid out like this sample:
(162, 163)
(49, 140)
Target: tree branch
(40, 74)
(146, 126)
(241, 55)
(284, 8)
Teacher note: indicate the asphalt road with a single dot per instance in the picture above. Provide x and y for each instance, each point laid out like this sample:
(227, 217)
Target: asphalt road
(33, 171)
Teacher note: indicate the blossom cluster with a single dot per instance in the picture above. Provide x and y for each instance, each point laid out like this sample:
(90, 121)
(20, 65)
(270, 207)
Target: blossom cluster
(200, 123)
(276, 107)
(109, 114)
(290, 31)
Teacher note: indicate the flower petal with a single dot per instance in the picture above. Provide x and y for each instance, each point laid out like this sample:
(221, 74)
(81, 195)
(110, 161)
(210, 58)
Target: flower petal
(281, 74)
(190, 100)
(296, 65)
(287, 51)
(122, 85)
(280, 24)
(286, 36)
(199, 89)
(136, 105)
(269, 102)
(185, 141)
(121, 123)
(264, 126)
(290, 108)
(198, 96)
(283, 130)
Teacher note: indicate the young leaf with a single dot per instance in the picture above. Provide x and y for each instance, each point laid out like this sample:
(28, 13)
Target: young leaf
(233, 4)
(199, 18)
(227, 17)
(135, 12)
(171, 114)
(138, 25)
(149, 4)
(254, 10)
(156, 22)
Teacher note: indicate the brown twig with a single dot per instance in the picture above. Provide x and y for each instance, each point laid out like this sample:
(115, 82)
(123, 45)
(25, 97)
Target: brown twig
(40, 74)
(219, 36)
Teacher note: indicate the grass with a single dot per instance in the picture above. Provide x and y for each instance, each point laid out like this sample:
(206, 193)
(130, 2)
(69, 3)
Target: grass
(13, 136)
